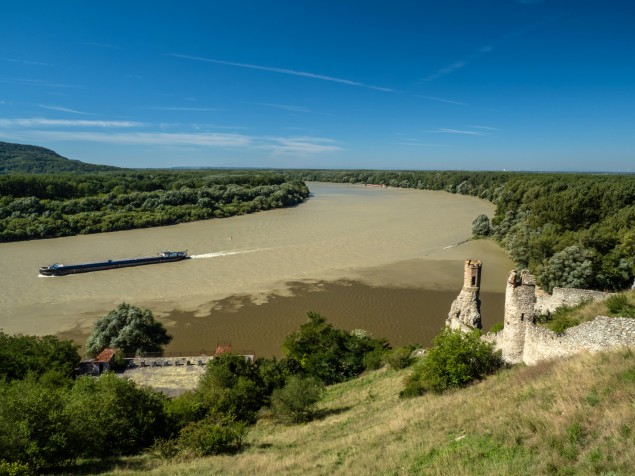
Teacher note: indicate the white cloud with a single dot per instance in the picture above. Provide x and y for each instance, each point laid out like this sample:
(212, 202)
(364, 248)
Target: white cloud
(285, 107)
(36, 82)
(487, 128)
(103, 45)
(147, 138)
(417, 143)
(447, 70)
(36, 63)
(300, 145)
(456, 131)
(63, 109)
(291, 72)
(38, 122)
(449, 101)
(192, 109)
(41, 130)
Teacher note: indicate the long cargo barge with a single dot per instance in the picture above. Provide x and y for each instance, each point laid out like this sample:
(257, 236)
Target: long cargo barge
(62, 269)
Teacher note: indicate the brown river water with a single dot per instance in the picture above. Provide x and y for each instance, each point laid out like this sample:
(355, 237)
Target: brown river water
(385, 260)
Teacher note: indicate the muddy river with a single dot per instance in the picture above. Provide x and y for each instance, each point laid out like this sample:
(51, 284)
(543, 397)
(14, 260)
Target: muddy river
(385, 260)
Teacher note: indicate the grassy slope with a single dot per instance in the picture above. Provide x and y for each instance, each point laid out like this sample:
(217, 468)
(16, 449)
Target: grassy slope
(570, 417)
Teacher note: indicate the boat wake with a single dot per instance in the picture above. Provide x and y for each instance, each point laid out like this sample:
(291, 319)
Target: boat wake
(220, 253)
(455, 245)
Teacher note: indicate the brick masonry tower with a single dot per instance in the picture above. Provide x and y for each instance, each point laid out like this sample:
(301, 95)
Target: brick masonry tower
(465, 313)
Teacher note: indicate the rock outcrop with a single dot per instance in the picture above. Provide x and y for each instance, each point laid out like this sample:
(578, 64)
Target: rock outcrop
(465, 313)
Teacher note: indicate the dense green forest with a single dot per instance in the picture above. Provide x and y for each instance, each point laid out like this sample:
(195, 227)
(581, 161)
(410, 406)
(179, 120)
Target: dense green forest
(53, 205)
(30, 159)
(570, 230)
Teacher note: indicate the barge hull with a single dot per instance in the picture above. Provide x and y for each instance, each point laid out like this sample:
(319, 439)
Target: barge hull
(63, 270)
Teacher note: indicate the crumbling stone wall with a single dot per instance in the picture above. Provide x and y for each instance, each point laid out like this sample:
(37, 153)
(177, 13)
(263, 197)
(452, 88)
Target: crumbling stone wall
(603, 333)
(523, 341)
(566, 297)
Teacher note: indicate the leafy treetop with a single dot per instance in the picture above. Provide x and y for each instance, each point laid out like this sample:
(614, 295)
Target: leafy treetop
(129, 329)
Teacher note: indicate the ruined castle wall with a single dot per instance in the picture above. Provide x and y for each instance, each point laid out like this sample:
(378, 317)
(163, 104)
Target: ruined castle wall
(523, 341)
(520, 300)
(603, 333)
(566, 297)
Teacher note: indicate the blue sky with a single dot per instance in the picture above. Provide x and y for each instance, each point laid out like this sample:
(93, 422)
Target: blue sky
(480, 85)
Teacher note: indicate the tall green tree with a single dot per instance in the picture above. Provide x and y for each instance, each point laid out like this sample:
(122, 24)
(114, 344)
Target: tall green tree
(129, 329)
(480, 226)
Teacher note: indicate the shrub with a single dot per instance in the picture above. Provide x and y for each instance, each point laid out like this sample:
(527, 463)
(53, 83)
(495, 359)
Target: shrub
(329, 354)
(563, 317)
(213, 436)
(296, 401)
(497, 327)
(231, 385)
(33, 427)
(21, 355)
(111, 415)
(374, 359)
(166, 450)
(182, 410)
(14, 469)
(454, 360)
(274, 373)
(618, 305)
(401, 357)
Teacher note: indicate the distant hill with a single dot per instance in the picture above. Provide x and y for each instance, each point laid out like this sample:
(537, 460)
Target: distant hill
(30, 159)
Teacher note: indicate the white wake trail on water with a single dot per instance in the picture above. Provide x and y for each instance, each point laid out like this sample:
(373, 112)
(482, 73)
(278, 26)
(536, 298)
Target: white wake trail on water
(221, 253)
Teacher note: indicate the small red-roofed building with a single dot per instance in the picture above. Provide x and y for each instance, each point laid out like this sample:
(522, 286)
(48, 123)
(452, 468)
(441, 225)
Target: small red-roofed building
(104, 361)
(223, 348)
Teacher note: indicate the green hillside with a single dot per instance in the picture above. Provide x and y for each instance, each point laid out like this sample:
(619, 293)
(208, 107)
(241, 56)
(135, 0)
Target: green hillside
(30, 159)
(575, 416)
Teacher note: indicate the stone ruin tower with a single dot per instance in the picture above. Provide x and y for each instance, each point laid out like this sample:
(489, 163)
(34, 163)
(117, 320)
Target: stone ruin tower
(465, 313)
(520, 302)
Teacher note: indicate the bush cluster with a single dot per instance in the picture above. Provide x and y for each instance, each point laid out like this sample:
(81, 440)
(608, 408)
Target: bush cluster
(329, 354)
(47, 422)
(455, 359)
(620, 305)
